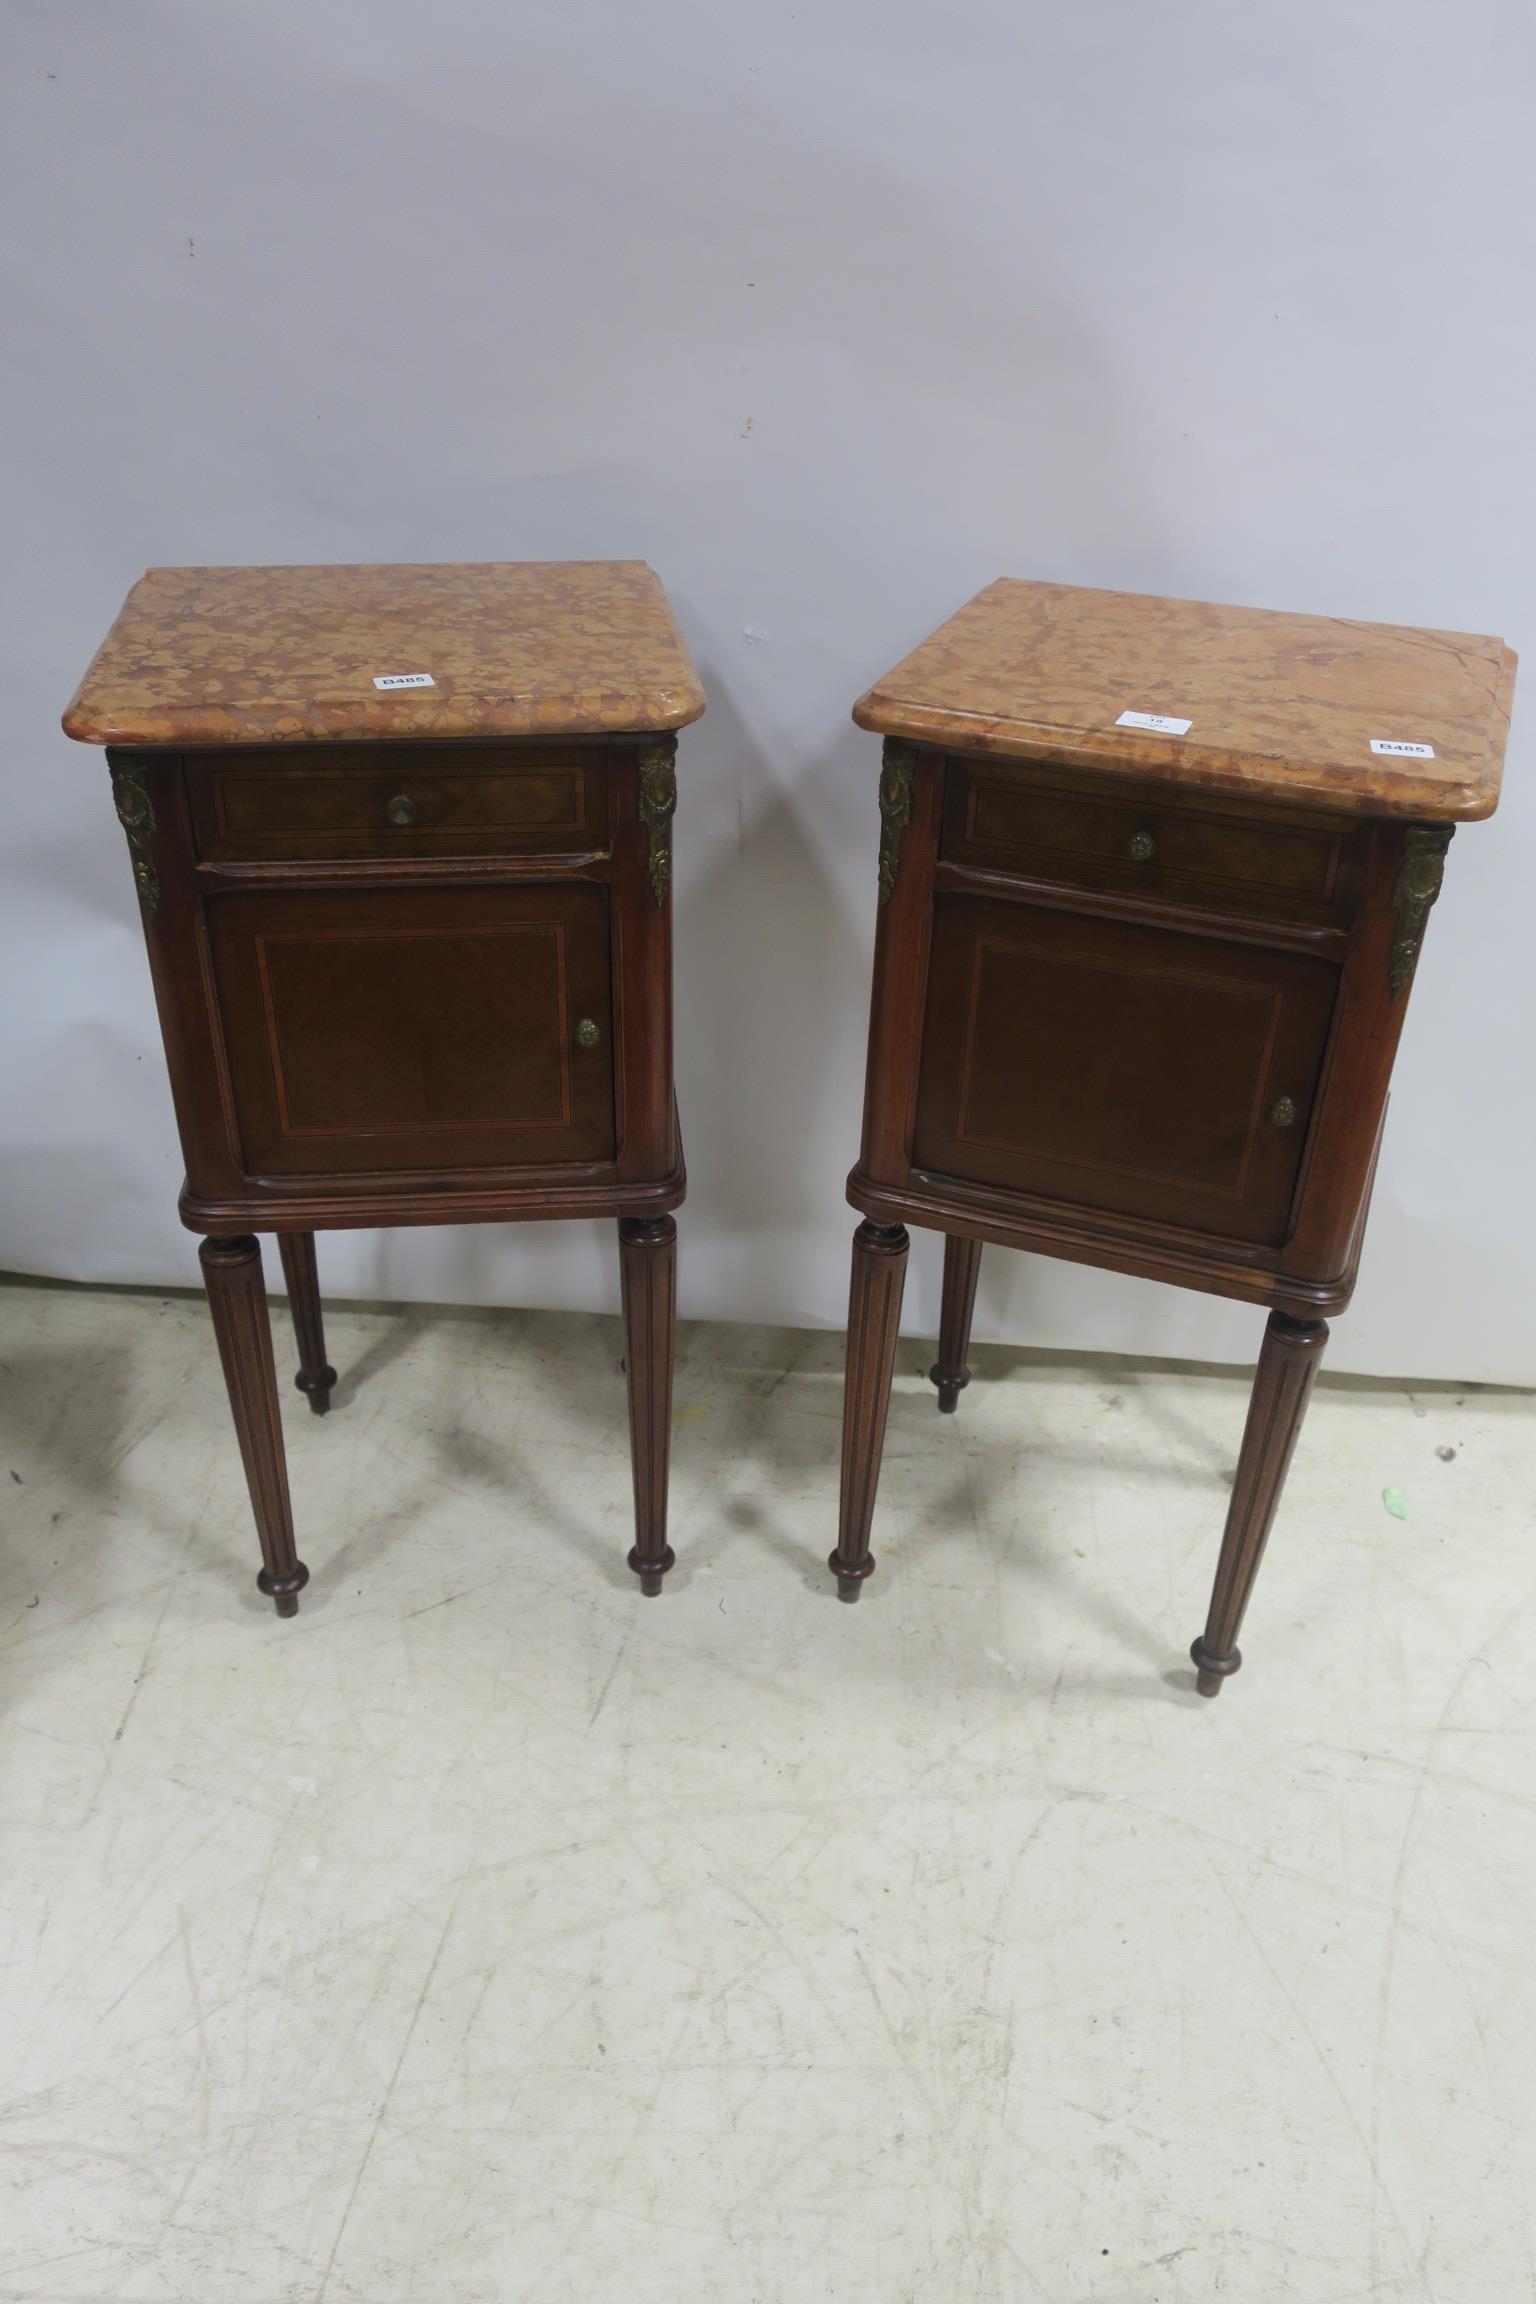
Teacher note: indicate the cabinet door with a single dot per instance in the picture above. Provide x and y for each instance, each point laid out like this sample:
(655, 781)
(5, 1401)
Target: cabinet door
(387, 1029)
(1137, 1070)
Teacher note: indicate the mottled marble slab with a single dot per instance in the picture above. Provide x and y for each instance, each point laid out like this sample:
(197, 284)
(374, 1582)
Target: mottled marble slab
(276, 655)
(1278, 706)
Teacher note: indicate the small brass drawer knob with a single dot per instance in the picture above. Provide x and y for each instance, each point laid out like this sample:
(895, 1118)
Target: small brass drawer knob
(1283, 1114)
(1143, 848)
(587, 1033)
(402, 809)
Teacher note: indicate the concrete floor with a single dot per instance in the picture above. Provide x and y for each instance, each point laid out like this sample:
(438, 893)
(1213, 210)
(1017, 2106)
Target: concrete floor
(489, 1933)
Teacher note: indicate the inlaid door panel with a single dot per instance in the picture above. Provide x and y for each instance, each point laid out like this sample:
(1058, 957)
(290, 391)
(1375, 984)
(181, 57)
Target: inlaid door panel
(384, 1029)
(1137, 1070)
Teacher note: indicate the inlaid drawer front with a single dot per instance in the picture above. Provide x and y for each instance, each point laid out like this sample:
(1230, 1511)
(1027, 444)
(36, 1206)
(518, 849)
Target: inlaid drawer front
(1133, 1069)
(388, 800)
(387, 1029)
(1218, 857)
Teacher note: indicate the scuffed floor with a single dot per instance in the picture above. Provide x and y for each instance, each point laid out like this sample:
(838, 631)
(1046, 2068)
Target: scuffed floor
(490, 1933)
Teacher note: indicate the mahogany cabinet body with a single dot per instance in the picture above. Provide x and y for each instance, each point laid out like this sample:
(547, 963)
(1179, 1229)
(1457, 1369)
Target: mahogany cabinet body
(370, 1021)
(393, 1035)
(1136, 1015)
(1139, 1029)
(1185, 1082)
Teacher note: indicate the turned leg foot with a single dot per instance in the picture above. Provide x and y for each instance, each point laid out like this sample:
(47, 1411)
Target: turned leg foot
(1288, 1362)
(237, 1298)
(648, 1277)
(314, 1378)
(1210, 1671)
(962, 1263)
(874, 1316)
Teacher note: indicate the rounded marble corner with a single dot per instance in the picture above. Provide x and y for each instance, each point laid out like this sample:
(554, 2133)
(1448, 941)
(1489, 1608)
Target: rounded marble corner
(81, 728)
(679, 710)
(1480, 803)
(867, 713)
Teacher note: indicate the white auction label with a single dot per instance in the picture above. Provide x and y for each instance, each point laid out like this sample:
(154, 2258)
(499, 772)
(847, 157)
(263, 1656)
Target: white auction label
(403, 680)
(1399, 751)
(1158, 722)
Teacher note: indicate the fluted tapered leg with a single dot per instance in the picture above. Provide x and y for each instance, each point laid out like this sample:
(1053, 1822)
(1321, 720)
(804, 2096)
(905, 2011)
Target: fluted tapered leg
(874, 1320)
(962, 1263)
(314, 1378)
(648, 1276)
(237, 1298)
(1288, 1363)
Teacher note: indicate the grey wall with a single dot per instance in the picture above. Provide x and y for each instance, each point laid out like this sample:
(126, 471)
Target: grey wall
(832, 313)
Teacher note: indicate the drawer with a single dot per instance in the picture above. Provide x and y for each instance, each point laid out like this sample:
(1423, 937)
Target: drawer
(1218, 856)
(381, 1029)
(1119, 1067)
(388, 800)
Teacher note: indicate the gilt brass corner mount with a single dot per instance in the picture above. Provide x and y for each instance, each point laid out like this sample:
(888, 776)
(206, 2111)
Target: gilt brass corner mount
(1418, 884)
(658, 805)
(897, 763)
(136, 814)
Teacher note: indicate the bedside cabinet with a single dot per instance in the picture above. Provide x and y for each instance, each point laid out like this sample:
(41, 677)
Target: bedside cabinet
(1153, 880)
(402, 839)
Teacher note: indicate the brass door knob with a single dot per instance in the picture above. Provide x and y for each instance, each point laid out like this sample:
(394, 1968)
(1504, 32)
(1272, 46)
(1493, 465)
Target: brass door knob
(402, 809)
(1283, 1114)
(1142, 848)
(587, 1033)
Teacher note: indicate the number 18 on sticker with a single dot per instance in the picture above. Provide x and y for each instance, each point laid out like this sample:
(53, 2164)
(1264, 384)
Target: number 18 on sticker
(1159, 723)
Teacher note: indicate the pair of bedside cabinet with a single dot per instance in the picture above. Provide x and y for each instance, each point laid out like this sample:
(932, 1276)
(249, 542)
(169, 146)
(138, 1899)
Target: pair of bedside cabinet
(1152, 881)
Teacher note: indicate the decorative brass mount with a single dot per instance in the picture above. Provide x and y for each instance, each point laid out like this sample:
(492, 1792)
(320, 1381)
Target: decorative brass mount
(1418, 884)
(136, 814)
(897, 762)
(658, 805)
